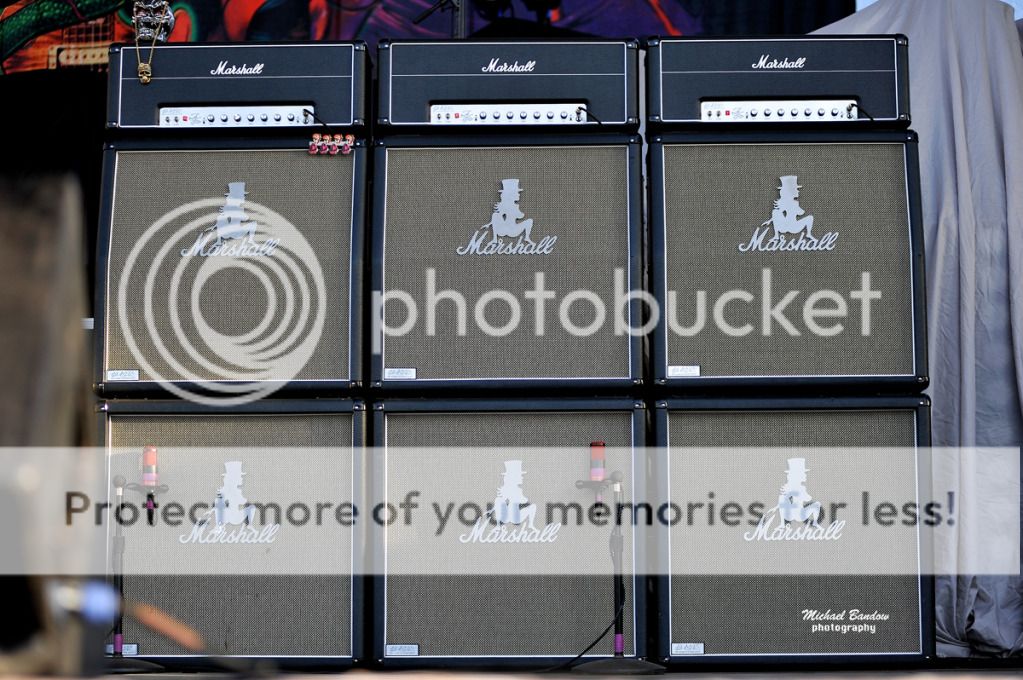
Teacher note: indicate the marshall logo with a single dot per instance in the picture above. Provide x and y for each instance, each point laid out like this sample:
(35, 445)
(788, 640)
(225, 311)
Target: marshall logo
(230, 520)
(513, 516)
(507, 235)
(788, 229)
(233, 235)
(797, 514)
(244, 70)
(498, 66)
(767, 63)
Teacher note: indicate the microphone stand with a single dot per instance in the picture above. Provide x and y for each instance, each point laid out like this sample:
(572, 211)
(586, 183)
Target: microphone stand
(118, 663)
(618, 664)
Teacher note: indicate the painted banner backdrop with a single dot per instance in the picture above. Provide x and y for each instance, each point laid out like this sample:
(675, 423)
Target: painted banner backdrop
(55, 34)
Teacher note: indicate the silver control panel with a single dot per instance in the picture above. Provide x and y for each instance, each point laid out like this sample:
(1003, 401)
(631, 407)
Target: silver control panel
(236, 116)
(508, 114)
(779, 111)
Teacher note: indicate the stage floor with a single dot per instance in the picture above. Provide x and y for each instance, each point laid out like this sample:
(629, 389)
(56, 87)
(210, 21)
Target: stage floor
(951, 674)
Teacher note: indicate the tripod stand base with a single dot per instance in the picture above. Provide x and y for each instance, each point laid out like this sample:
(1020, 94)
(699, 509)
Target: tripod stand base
(122, 664)
(618, 665)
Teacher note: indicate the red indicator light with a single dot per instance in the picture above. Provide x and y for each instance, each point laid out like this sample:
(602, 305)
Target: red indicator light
(728, 113)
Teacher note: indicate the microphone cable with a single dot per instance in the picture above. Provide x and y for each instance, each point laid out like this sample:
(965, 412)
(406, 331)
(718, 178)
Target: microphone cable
(568, 664)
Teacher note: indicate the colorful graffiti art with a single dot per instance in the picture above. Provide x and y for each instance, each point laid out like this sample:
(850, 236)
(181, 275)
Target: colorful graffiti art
(54, 34)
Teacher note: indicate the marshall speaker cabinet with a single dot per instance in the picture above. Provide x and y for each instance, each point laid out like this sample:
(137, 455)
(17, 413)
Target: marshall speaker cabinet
(506, 262)
(231, 245)
(231, 261)
(252, 541)
(515, 576)
(780, 544)
(787, 259)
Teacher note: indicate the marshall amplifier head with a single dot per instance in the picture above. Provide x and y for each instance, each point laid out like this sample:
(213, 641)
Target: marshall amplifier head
(811, 80)
(251, 540)
(506, 262)
(794, 529)
(223, 86)
(476, 85)
(518, 574)
(787, 260)
(229, 266)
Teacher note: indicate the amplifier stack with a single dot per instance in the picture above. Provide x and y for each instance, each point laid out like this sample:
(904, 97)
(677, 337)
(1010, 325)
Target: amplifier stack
(231, 260)
(505, 280)
(787, 259)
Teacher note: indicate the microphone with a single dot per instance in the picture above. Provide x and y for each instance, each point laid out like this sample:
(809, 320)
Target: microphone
(150, 472)
(597, 461)
(597, 470)
(150, 480)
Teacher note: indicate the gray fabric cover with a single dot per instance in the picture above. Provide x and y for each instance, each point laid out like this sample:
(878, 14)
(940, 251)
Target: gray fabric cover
(966, 75)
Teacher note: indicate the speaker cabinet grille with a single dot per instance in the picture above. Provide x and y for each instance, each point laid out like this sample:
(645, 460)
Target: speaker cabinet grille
(493, 604)
(854, 195)
(264, 295)
(436, 198)
(263, 600)
(758, 607)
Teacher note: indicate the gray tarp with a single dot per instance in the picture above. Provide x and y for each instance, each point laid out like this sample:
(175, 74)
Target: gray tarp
(966, 75)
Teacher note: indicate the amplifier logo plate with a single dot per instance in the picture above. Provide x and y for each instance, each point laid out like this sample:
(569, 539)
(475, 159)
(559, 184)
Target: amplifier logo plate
(797, 513)
(508, 235)
(233, 234)
(498, 66)
(514, 515)
(767, 64)
(787, 229)
(223, 69)
(232, 519)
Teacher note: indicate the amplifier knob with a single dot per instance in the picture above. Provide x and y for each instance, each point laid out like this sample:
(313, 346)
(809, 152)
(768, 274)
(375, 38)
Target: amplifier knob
(795, 112)
(564, 115)
(497, 115)
(223, 117)
(483, 115)
(209, 118)
(807, 112)
(262, 117)
(753, 113)
(509, 115)
(277, 116)
(550, 115)
(522, 115)
(781, 112)
(237, 117)
(251, 117)
(767, 113)
(834, 112)
(536, 115)
(820, 112)
(291, 116)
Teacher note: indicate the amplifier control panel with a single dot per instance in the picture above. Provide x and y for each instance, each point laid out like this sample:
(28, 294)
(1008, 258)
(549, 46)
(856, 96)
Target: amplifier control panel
(508, 114)
(779, 111)
(237, 116)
